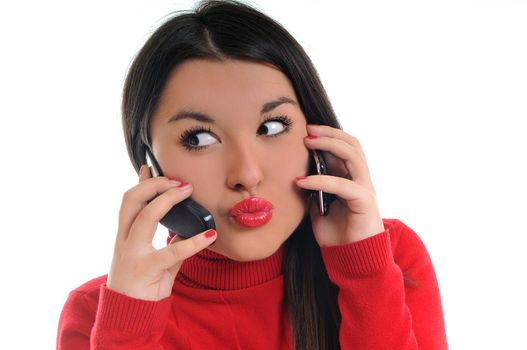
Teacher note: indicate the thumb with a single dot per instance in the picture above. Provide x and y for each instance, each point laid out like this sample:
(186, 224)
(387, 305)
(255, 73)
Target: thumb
(180, 249)
(171, 236)
(144, 172)
(174, 239)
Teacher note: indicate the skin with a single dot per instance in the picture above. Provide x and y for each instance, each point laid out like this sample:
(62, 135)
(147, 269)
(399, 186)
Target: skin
(239, 160)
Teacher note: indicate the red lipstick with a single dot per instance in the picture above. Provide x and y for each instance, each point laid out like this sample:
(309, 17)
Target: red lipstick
(252, 212)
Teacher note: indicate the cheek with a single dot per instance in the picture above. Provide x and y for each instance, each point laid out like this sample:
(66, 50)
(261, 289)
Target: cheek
(294, 161)
(207, 174)
(199, 171)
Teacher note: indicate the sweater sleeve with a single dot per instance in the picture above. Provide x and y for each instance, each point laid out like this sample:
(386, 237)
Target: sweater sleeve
(115, 322)
(388, 293)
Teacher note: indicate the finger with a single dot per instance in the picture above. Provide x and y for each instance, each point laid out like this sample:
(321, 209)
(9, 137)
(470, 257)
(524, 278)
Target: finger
(328, 131)
(136, 198)
(145, 224)
(350, 156)
(344, 188)
(178, 251)
(144, 172)
(175, 239)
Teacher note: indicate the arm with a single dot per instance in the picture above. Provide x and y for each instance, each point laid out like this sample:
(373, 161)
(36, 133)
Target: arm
(124, 322)
(389, 297)
(132, 306)
(115, 322)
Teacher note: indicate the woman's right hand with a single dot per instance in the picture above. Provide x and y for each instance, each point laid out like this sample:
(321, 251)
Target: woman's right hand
(138, 269)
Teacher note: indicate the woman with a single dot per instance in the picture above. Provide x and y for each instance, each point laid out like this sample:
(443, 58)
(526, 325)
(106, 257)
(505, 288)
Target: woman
(230, 106)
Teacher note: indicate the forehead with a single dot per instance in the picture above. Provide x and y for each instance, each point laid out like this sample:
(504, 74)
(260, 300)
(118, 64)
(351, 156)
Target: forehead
(222, 87)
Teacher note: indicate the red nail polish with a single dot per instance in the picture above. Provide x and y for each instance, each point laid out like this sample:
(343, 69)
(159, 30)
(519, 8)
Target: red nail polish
(311, 137)
(210, 233)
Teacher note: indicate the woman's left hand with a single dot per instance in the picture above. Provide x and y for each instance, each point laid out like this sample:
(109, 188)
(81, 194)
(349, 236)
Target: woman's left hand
(354, 214)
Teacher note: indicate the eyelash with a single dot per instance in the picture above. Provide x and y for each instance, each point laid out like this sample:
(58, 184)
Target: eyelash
(187, 134)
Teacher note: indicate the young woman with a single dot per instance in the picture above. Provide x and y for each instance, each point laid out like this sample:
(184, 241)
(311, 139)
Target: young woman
(231, 107)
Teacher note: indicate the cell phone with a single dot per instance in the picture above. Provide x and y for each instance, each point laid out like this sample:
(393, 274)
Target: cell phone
(318, 167)
(187, 218)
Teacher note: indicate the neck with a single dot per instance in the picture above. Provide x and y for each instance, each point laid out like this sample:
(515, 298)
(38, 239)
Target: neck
(211, 270)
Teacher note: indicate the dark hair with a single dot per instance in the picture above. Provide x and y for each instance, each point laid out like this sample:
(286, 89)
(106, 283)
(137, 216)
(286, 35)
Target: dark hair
(219, 30)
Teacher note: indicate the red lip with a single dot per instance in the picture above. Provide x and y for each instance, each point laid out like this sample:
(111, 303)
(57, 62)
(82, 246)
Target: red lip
(252, 212)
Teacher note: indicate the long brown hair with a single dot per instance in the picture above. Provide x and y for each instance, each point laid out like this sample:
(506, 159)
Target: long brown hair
(218, 30)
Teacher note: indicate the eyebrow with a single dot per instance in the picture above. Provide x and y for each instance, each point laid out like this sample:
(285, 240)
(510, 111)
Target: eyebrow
(201, 117)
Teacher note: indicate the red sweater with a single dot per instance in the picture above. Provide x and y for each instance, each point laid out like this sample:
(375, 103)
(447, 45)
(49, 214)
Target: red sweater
(218, 303)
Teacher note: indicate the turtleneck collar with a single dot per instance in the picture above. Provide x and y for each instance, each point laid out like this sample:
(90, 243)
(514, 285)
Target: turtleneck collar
(210, 270)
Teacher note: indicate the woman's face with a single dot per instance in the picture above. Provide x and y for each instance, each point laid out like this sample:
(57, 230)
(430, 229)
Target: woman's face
(251, 146)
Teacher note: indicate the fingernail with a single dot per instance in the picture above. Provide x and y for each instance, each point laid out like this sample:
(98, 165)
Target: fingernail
(184, 185)
(311, 137)
(210, 233)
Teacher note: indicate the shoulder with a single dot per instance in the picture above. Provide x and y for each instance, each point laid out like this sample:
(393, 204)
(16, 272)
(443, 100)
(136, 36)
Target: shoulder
(79, 311)
(86, 296)
(401, 235)
(409, 251)
(91, 287)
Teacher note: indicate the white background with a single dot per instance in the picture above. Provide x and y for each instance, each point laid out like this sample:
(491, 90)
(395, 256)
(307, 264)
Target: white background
(436, 91)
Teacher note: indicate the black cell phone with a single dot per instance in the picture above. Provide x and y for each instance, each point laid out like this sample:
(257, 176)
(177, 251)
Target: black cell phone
(318, 167)
(187, 218)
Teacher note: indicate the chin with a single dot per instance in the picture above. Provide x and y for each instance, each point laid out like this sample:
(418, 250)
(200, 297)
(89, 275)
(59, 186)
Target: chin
(246, 252)
(246, 246)
(257, 244)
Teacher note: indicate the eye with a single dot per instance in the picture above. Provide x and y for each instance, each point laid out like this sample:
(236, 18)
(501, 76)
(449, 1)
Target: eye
(201, 137)
(275, 126)
(197, 138)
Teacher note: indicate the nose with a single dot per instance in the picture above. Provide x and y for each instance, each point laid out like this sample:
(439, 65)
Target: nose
(244, 169)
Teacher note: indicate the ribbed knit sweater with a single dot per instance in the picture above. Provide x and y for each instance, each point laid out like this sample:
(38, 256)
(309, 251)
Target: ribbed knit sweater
(388, 299)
